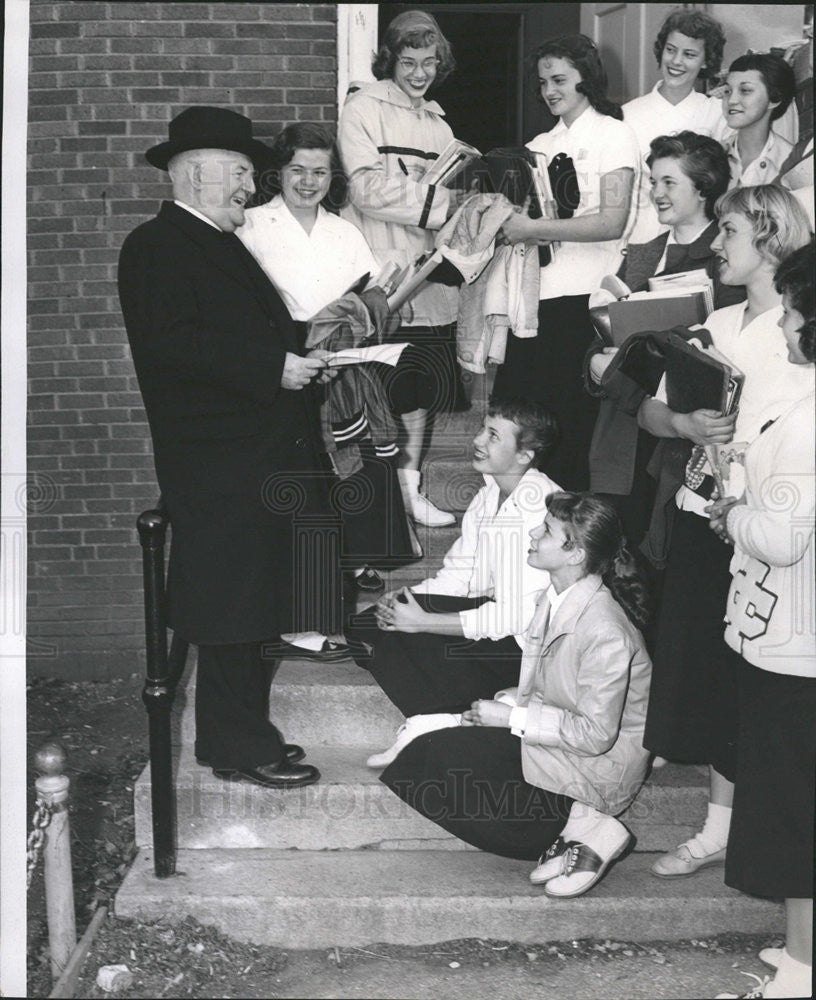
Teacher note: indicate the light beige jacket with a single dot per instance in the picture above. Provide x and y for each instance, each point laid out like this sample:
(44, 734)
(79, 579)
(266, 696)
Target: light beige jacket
(585, 682)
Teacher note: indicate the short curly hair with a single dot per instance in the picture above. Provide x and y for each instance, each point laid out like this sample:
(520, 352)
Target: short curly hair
(305, 135)
(695, 24)
(795, 278)
(415, 29)
(702, 159)
(777, 76)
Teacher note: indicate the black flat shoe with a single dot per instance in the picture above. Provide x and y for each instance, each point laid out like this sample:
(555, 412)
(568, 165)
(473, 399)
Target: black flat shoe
(293, 752)
(284, 774)
(329, 652)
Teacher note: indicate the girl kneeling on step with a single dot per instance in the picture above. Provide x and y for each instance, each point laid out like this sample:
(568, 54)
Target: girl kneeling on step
(542, 768)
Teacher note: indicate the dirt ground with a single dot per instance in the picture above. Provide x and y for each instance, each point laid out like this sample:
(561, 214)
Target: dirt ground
(103, 728)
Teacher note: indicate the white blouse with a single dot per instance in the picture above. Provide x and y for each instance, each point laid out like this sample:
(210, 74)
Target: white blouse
(597, 145)
(309, 270)
(652, 115)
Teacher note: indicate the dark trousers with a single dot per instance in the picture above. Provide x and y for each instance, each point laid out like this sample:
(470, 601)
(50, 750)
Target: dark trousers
(232, 707)
(424, 673)
(469, 781)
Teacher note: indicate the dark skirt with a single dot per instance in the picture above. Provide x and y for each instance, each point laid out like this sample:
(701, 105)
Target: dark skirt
(693, 715)
(427, 376)
(770, 846)
(376, 530)
(549, 369)
(424, 673)
(469, 781)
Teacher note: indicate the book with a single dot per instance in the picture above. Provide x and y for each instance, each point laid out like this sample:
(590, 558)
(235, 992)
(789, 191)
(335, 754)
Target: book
(700, 379)
(643, 311)
(409, 279)
(697, 280)
(450, 163)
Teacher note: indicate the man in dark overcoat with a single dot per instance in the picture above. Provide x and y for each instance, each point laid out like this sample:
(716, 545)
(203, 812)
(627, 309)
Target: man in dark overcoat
(222, 379)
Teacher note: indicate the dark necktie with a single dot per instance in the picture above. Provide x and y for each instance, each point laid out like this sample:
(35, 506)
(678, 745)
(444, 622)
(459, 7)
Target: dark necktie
(675, 257)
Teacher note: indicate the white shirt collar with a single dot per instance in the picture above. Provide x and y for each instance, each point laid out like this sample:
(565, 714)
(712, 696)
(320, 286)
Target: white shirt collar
(198, 214)
(766, 153)
(657, 89)
(555, 599)
(672, 240)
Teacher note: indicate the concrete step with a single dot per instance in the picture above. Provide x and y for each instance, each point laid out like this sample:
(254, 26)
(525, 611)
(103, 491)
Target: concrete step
(303, 899)
(349, 808)
(314, 704)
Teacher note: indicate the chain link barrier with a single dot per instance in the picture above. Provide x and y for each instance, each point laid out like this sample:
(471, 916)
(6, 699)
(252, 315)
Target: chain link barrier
(40, 820)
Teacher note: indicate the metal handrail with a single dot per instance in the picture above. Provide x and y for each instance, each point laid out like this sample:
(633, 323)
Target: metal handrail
(162, 676)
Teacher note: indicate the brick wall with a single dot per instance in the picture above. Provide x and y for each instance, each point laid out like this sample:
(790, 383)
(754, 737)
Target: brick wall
(105, 80)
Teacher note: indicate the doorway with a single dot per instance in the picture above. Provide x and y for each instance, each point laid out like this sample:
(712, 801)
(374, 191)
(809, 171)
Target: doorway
(488, 100)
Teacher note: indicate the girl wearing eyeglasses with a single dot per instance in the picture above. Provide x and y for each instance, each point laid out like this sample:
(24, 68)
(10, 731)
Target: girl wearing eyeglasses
(389, 135)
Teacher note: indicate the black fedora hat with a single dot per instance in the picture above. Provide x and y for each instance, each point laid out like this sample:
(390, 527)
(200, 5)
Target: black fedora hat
(203, 127)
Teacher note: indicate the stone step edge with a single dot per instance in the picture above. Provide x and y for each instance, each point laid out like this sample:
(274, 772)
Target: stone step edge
(300, 899)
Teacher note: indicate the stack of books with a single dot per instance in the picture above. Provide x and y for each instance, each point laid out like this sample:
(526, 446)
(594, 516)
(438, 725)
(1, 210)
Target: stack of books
(684, 299)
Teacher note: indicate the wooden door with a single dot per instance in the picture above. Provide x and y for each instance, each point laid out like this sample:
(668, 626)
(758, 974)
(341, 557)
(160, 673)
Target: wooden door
(625, 34)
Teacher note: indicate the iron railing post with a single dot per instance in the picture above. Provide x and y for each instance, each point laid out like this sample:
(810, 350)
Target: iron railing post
(158, 692)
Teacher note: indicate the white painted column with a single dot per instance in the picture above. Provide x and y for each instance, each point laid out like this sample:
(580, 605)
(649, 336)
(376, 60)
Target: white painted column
(13, 497)
(357, 42)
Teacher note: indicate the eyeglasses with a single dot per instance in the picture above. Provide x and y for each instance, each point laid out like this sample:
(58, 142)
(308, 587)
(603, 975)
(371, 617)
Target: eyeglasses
(427, 65)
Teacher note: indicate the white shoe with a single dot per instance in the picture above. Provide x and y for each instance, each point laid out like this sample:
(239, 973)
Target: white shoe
(658, 762)
(426, 514)
(413, 726)
(584, 866)
(680, 862)
(753, 994)
(417, 505)
(552, 863)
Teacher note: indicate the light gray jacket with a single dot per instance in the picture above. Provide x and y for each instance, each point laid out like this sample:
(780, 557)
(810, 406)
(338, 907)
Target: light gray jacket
(585, 682)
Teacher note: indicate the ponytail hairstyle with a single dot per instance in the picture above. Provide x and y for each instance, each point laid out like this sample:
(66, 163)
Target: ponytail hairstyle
(581, 53)
(594, 525)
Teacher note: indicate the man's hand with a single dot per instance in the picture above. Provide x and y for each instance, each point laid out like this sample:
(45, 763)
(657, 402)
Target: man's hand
(402, 613)
(299, 372)
(487, 713)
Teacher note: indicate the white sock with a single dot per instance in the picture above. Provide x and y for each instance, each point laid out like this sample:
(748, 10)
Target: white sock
(360, 571)
(409, 481)
(793, 978)
(714, 834)
(307, 640)
(582, 819)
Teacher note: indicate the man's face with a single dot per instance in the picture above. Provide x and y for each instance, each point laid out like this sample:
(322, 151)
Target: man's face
(224, 187)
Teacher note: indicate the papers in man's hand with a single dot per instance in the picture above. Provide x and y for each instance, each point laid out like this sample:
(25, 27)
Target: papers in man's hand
(386, 354)
(451, 162)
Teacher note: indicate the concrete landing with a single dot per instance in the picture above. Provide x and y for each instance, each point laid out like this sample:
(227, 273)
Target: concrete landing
(301, 899)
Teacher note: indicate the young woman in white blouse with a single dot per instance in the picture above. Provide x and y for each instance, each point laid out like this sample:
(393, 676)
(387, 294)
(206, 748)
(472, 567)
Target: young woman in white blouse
(770, 624)
(688, 48)
(758, 91)
(313, 257)
(592, 159)
(693, 713)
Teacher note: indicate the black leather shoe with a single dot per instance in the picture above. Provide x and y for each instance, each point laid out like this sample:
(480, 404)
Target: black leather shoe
(284, 774)
(293, 752)
(329, 652)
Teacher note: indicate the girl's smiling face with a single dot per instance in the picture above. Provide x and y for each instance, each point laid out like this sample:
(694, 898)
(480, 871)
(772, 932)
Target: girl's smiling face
(558, 80)
(745, 99)
(415, 70)
(306, 178)
(674, 195)
(550, 546)
(683, 58)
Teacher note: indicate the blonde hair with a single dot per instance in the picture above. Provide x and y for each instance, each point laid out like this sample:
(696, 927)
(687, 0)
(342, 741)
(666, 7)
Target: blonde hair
(779, 222)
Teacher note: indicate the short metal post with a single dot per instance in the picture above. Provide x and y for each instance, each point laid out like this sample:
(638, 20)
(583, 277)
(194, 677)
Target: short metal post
(158, 692)
(52, 788)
